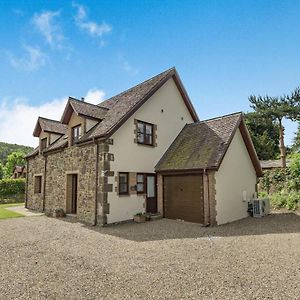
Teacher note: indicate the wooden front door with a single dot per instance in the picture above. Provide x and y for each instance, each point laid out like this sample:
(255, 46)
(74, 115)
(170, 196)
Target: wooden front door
(151, 202)
(74, 194)
(71, 199)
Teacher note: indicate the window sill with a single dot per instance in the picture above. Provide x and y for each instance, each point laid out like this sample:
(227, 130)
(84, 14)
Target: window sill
(147, 145)
(123, 195)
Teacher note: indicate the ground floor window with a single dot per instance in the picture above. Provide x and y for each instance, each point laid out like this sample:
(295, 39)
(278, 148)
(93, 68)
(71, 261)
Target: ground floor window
(37, 184)
(123, 183)
(140, 183)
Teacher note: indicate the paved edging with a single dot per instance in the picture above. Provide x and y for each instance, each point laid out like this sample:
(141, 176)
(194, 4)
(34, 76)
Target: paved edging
(24, 211)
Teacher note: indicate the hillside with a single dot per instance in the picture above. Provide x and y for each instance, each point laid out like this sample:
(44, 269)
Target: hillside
(6, 149)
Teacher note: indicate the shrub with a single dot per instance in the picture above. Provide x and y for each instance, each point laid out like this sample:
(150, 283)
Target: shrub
(278, 199)
(283, 185)
(294, 182)
(12, 190)
(283, 199)
(263, 194)
(292, 201)
(275, 180)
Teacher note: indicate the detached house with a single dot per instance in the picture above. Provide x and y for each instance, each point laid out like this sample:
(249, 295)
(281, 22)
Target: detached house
(19, 172)
(143, 150)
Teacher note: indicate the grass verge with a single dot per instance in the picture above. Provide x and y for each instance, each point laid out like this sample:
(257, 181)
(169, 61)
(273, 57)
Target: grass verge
(6, 214)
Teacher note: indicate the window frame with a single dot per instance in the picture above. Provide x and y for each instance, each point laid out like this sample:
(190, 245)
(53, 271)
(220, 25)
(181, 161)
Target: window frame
(138, 182)
(127, 183)
(39, 183)
(73, 140)
(44, 141)
(144, 133)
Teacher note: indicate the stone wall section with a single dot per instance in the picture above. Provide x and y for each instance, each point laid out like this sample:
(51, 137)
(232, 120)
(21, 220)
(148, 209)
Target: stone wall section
(212, 198)
(105, 158)
(36, 166)
(72, 160)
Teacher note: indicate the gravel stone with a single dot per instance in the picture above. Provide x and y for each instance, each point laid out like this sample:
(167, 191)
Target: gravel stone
(47, 258)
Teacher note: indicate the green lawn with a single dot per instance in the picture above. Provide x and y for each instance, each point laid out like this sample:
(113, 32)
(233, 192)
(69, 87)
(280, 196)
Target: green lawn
(5, 214)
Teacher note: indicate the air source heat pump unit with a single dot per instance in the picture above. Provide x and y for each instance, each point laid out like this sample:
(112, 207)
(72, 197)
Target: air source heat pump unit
(261, 207)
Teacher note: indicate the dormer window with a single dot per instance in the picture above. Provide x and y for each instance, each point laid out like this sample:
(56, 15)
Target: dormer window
(43, 144)
(144, 133)
(76, 132)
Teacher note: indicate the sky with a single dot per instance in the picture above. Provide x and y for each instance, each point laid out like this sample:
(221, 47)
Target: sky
(224, 51)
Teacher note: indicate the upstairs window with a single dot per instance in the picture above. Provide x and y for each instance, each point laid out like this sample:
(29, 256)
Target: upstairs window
(144, 133)
(43, 144)
(123, 183)
(76, 132)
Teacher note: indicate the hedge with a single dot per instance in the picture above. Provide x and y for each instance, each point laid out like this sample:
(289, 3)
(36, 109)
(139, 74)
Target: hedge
(282, 185)
(12, 190)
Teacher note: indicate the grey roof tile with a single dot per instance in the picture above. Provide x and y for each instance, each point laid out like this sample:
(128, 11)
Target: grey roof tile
(120, 105)
(271, 164)
(88, 109)
(49, 125)
(200, 145)
(34, 152)
(113, 111)
(58, 144)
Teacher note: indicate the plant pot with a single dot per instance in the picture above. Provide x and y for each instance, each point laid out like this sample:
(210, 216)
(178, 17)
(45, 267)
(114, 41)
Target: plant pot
(139, 219)
(59, 213)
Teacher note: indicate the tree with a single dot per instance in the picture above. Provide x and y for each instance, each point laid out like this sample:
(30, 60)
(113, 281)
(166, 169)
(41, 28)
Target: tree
(296, 142)
(1, 171)
(277, 109)
(294, 103)
(6, 149)
(264, 134)
(14, 159)
(294, 100)
(295, 172)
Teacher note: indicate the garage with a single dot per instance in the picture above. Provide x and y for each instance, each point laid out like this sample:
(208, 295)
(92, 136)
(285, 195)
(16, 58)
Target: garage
(208, 174)
(183, 198)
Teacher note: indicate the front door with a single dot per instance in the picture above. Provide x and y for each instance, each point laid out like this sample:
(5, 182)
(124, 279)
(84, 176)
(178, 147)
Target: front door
(74, 194)
(151, 203)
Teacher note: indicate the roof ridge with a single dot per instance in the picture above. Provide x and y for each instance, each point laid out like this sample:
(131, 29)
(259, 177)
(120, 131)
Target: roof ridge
(88, 103)
(143, 82)
(216, 118)
(47, 119)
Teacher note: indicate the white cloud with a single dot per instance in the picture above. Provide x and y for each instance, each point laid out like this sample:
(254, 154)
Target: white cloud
(94, 96)
(33, 59)
(18, 118)
(46, 23)
(93, 28)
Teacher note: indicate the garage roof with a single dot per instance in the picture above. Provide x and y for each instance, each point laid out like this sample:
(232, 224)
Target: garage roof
(203, 145)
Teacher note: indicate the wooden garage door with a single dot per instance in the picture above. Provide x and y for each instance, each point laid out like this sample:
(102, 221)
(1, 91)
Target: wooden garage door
(183, 198)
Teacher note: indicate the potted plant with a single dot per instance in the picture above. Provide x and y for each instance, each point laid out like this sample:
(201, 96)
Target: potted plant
(59, 213)
(139, 218)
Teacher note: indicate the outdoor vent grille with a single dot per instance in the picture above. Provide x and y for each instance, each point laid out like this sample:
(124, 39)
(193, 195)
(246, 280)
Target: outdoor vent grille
(261, 207)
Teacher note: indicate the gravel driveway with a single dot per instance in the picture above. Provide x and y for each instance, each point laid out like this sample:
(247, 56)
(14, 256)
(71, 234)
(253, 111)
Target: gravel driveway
(164, 259)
